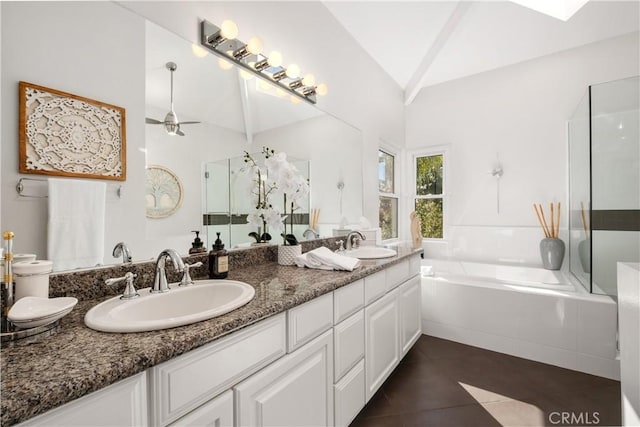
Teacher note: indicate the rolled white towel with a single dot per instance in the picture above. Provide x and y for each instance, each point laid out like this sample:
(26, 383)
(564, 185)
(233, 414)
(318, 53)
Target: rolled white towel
(325, 256)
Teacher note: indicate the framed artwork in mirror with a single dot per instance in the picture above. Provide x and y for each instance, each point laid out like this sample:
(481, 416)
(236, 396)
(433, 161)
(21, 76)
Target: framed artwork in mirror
(163, 192)
(62, 134)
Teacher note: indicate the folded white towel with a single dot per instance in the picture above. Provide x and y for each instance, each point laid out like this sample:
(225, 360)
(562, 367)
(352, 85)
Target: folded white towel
(323, 258)
(304, 261)
(76, 223)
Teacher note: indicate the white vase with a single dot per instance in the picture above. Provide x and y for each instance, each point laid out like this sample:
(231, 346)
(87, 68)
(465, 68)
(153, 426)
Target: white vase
(287, 254)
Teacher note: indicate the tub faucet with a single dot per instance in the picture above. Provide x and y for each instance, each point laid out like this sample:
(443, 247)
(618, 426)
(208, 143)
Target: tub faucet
(121, 249)
(160, 279)
(353, 239)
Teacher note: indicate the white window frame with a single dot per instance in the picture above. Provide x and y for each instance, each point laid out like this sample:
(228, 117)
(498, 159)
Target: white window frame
(426, 152)
(396, 185)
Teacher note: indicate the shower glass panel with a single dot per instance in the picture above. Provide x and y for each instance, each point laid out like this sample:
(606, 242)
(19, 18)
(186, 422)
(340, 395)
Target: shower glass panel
(604, 147)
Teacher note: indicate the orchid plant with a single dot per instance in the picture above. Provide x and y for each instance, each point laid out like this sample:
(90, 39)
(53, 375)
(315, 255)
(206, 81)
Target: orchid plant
(277, 176)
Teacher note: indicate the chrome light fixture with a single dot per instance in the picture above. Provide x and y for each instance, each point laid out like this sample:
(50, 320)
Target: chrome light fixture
(222, 41)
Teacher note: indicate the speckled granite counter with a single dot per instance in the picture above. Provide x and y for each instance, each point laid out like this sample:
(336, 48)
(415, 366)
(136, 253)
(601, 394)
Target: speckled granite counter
(77, 360)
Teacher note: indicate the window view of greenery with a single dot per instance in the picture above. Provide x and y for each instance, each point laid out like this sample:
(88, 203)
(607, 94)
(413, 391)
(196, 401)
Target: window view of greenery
(428, 203)
(388, 214)
(388, 217)
(385, 172)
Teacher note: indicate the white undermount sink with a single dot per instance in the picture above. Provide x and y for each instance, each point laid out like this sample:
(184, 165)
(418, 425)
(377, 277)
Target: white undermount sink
(370, 252)
(179, 306)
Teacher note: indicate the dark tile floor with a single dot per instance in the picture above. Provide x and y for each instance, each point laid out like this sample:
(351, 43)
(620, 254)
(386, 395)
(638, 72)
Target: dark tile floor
(444, 383)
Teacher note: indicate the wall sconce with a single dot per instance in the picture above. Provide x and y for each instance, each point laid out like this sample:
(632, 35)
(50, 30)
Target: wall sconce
(222, 41)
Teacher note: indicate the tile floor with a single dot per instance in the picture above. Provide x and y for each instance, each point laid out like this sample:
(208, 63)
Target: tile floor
(444, 383)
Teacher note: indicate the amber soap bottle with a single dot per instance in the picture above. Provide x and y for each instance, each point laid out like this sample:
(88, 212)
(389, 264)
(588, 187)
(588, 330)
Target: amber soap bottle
(218, 260)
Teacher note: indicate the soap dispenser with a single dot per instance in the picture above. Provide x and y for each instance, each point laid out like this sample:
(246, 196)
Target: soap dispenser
(197, 246)
(218, 260)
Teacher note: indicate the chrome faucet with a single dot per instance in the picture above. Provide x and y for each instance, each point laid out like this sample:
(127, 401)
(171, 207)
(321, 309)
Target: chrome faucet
(160, 280)
(186, 277)
(353, 239)
(121, 249)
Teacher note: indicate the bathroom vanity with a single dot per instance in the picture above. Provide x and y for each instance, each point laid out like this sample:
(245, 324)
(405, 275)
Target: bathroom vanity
(311, 348)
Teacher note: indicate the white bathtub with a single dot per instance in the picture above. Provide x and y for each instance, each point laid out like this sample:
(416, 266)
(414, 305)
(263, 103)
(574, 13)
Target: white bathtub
(525, 311)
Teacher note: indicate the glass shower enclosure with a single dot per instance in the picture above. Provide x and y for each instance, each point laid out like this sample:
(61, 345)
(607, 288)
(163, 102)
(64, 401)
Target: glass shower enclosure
(604, 183)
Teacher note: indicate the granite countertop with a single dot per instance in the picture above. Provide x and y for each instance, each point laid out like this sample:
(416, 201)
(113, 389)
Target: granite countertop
(76, 360)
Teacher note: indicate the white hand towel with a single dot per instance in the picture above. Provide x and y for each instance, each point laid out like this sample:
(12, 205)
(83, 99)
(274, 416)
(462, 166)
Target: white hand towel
(304, 261)
(324, 256)
(76, 223)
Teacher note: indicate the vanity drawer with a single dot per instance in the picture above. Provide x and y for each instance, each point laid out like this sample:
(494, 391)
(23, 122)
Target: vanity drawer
(309, 320)
(375, 286)
(185, 382)
(398, 273)
(348, 344)
(347, 300)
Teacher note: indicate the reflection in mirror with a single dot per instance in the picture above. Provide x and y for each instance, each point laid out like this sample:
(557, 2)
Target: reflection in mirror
(239, 113)
(228, 185)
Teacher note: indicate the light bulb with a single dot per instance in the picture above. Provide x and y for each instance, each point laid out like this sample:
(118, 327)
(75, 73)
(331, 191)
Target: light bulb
(254, 45)
(309, 80)
(198, 51)
(322, 89)
(246, 75)
(275, 59)
(295, 99)
(293, 71)
(229, 29)
(224, 64)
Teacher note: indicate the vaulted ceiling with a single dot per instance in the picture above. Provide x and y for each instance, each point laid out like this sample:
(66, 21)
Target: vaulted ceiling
(422, 43)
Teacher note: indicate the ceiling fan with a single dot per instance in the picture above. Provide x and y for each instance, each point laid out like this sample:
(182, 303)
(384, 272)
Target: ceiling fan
(171, 123)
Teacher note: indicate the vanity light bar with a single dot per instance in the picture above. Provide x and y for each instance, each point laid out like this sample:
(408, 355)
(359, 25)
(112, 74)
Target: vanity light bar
(233, 50)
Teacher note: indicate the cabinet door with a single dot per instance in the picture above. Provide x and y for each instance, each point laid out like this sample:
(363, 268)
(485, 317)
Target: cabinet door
(296, 390)
(381, 341)
(409, 309)
(121, 404)
(349, 395)
(217, 412)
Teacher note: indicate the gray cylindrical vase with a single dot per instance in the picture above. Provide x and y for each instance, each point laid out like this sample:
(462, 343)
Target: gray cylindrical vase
(552, 253)
(584, 253)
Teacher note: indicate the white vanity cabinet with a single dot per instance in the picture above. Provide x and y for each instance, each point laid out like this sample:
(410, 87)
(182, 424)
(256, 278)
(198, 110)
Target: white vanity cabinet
(121, 404)
(392, 323)
(296, 390)
(183, 383)
(317, 364)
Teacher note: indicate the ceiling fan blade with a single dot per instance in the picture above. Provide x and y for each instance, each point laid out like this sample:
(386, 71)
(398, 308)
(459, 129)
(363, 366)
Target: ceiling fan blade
(179, 132)
(188, 123)
(152, 121)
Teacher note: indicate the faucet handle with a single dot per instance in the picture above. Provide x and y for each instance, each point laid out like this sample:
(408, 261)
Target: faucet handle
(341, 246)
(130, 290)
(186, 277)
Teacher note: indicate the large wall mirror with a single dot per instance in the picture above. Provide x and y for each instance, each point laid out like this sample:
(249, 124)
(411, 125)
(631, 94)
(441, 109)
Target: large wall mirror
(129, 69)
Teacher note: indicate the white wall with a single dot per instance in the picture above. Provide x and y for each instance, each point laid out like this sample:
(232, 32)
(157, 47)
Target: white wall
(518, 113)
(65, 46)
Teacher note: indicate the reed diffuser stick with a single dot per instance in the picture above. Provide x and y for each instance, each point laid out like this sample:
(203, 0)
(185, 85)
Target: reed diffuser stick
(553, 227)
(544, 229)
(544, 222)
(558, 222)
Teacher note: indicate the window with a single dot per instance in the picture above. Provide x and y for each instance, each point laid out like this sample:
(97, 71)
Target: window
(429, 202)
(388, 214)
